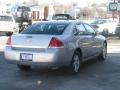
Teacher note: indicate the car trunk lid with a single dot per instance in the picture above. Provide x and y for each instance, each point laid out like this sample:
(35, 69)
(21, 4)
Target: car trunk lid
(31, 41)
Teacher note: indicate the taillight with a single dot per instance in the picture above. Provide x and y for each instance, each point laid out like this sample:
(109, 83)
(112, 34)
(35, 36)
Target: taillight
(30, 14)
(8, 41)
(54, 43)
(14, 28)
(18, 14)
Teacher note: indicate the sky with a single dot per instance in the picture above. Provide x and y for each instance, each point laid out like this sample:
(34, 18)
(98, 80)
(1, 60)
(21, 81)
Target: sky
(81, 2)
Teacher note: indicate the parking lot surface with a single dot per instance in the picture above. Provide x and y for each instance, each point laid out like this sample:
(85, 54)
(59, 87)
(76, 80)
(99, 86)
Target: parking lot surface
(94, 75)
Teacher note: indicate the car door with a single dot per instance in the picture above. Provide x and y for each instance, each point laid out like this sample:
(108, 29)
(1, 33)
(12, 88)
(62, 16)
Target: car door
(83, 41)
(92, 37)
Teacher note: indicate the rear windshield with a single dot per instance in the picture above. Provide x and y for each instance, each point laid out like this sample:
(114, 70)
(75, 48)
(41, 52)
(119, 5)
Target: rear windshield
(50, 29)
(6, 18)
(23, 9)
(62, 17)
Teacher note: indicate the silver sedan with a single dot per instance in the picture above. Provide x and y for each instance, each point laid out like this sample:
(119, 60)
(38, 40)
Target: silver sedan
(55, 44)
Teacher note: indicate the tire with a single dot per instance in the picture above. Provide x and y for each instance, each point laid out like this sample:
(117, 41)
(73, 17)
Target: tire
(23, 67)
(105, 32)
(103, 54)
(75, 65)
(30, 22)
(119, 37)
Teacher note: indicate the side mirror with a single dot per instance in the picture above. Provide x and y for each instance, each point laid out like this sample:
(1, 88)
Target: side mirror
(96, 33)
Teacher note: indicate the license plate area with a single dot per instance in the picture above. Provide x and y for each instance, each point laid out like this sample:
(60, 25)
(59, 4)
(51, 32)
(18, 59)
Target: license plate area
(26, 57)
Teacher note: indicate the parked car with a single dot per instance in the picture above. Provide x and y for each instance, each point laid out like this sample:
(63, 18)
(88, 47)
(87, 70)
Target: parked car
(60, 17)
(105, 25)
(117, 31)
(22, 13)
(55, 44)
(8, 24)
(3, 40)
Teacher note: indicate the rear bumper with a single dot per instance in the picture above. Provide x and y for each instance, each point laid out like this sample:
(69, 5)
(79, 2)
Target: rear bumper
(49, 58)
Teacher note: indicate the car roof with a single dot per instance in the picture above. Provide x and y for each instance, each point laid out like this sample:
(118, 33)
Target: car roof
(60, 21)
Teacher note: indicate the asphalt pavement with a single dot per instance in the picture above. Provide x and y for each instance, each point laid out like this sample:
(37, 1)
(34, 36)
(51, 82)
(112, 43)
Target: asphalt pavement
(94, 75)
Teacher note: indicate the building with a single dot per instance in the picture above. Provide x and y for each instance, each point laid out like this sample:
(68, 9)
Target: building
(42, 12)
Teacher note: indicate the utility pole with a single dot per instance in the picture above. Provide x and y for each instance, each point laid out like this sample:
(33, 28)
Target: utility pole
(119, 11)
(113, 13)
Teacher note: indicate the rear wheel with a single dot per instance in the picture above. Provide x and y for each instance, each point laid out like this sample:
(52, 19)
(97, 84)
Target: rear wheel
(103, 54)
(119, 37)
(30, 22)
(76, 63)
(24, 67)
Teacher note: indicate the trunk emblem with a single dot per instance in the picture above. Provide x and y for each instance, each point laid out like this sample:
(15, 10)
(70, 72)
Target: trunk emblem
(29, 39)
(29, 36)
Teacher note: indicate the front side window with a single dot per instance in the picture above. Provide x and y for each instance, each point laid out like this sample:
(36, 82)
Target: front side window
(44, 28)
(89, 29)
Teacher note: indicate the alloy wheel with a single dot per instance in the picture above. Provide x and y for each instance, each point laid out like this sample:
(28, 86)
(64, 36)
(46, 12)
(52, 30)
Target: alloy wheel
(76, 63)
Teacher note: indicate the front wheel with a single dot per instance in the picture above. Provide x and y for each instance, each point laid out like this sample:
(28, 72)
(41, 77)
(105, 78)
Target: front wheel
(75, 63)
(105, 32)
(103, 54)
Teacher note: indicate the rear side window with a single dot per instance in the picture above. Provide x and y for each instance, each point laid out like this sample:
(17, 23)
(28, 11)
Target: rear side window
(49, 29)
(81, 29)
(89, 29)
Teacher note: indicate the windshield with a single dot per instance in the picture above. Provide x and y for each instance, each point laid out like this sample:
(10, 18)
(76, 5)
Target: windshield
(6, 18)
(2, 33)
(23, 9)
(50, 29)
